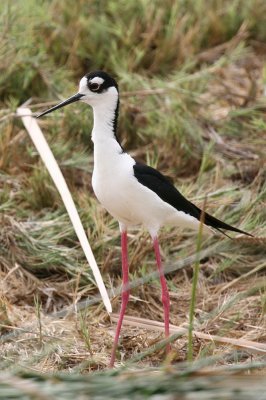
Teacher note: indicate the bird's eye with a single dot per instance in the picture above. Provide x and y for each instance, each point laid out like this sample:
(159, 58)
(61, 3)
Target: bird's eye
(94, 86)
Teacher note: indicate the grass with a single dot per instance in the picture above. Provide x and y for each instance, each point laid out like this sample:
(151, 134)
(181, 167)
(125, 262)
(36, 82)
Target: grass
(126, 384)
(194, 286)
(191, 81)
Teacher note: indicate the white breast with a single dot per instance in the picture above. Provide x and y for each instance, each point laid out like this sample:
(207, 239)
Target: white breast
(127, 200)
(113, 185)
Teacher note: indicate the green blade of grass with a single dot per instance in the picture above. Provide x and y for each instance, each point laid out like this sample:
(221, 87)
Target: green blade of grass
(194, 286)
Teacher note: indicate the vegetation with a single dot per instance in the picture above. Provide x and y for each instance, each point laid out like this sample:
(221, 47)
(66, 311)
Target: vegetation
(192, 81)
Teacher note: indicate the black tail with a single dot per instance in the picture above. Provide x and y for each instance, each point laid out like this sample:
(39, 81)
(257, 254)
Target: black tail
(219, 225)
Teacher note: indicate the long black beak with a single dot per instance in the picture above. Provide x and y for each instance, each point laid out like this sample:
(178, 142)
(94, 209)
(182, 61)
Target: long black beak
(70, 100)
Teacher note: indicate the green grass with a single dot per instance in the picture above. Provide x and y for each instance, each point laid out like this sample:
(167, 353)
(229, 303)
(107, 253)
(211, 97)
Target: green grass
(191, 77)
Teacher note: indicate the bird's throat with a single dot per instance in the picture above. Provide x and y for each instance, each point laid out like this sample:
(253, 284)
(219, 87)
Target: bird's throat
(105, 121)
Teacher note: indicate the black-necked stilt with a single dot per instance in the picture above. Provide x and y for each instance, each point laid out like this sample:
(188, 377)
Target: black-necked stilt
(133, 193)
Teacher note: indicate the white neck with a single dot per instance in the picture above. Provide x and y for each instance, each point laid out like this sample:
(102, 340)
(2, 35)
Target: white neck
(105, 142)
(104, 117)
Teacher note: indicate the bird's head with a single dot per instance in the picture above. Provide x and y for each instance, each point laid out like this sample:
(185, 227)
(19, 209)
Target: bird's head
(94, 88)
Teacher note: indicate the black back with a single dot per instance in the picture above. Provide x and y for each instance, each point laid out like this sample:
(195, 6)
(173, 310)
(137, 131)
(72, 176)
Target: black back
(161, 185)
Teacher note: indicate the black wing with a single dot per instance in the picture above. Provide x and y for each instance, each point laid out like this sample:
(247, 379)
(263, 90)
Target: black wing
(161, 185)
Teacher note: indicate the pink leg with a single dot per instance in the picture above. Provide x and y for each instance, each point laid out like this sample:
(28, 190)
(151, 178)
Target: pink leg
(125, 294)
(165, 293)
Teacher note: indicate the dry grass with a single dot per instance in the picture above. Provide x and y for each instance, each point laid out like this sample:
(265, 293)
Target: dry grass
(212, 116)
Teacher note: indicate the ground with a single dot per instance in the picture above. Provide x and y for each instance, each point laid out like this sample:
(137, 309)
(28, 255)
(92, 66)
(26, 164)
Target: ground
(198, 116)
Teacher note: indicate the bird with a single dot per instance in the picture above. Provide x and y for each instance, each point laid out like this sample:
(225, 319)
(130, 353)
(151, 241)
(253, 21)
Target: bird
(134, 193)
